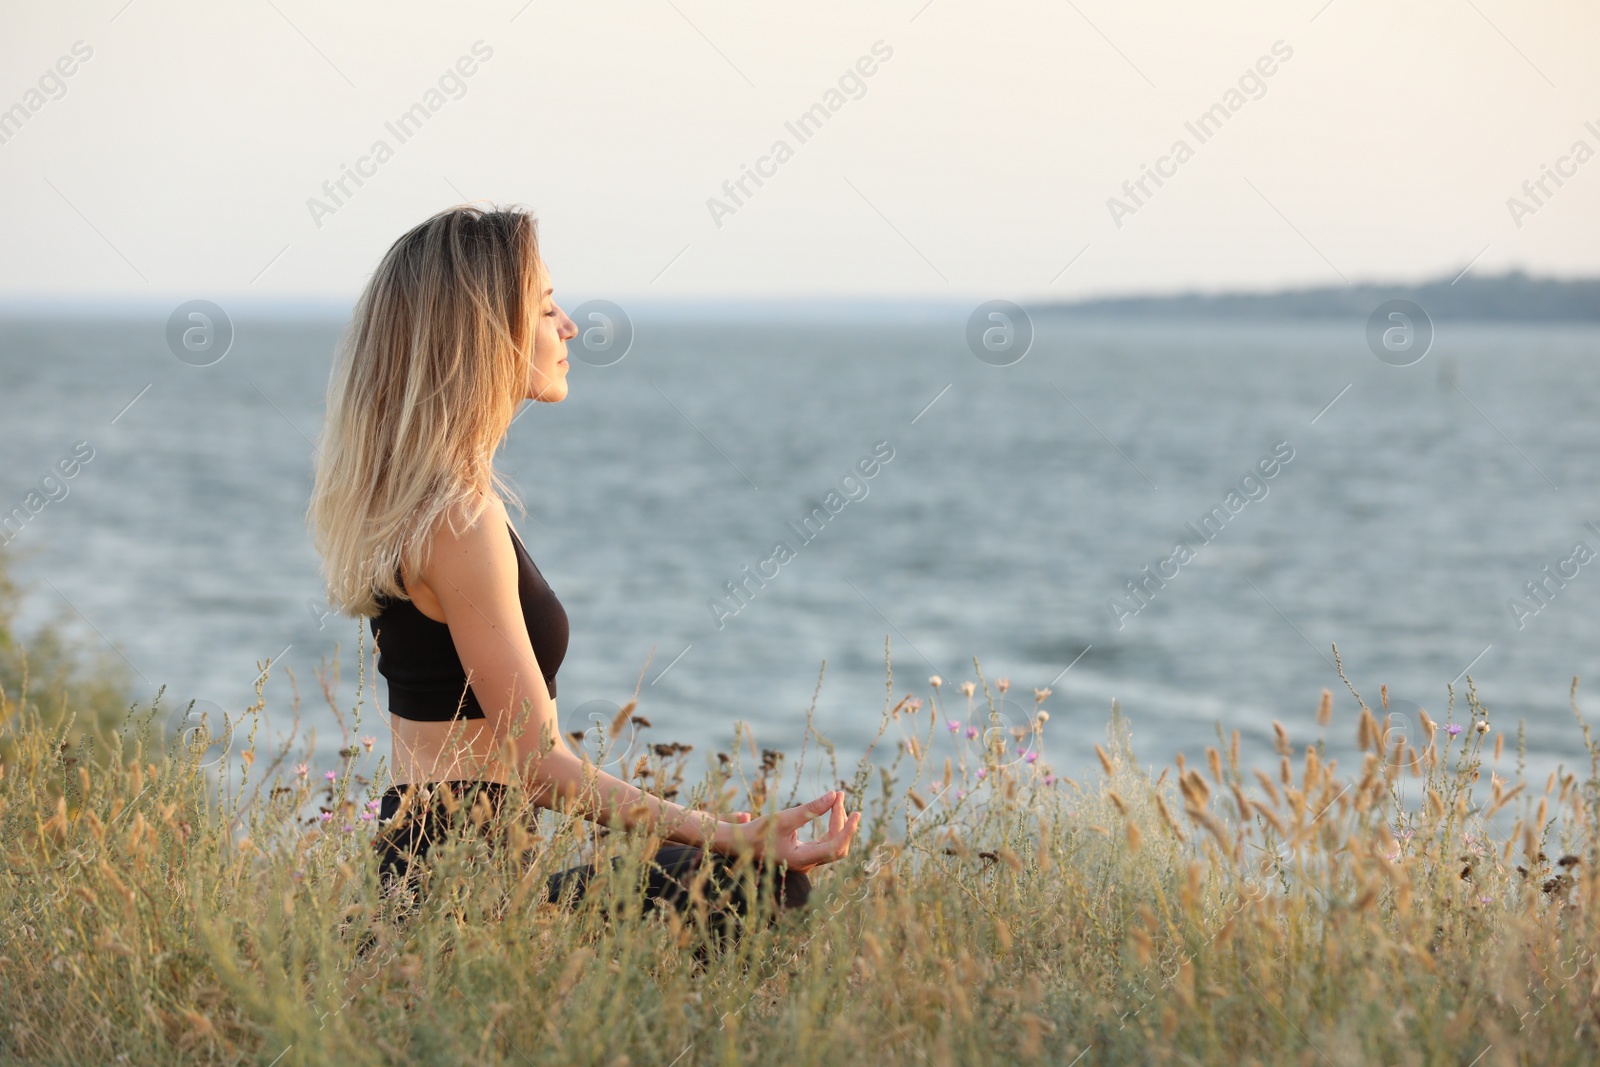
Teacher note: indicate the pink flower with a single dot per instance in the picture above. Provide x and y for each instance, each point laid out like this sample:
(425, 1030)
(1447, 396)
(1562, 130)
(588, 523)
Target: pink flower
(325, 816)
(348, 827)
(330, 776)
(1049, 779)
(1453, 729)
(1030, 757)
(374, 804)
(961, 794)
(972, 731)
(367, 816)
(369, 742)
(954, 726)
(915, 704)
(983, 772)
(301, 769)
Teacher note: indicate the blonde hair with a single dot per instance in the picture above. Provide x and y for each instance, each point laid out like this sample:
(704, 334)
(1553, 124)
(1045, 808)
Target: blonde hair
(427, 379)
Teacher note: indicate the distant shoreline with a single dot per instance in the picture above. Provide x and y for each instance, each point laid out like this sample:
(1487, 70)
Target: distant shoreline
(1511, 297)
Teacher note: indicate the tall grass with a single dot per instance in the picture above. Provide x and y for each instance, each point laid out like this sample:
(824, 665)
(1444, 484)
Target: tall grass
(990, 911)
(69, 682)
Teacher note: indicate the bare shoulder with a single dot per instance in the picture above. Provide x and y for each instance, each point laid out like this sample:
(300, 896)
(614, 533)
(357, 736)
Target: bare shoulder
(470, 552)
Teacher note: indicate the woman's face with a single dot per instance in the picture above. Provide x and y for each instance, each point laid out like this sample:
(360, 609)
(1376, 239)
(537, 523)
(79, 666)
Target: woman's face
(552, 331)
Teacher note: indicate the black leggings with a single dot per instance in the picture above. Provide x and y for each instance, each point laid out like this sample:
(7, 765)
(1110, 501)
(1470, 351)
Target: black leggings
(402, 842)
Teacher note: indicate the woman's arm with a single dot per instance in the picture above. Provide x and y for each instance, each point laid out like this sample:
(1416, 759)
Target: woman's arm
(473, 575)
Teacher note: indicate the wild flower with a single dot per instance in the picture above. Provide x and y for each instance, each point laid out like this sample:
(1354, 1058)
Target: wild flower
(936, 681)
(1003, 684)
(967, 689)
(1483, 727)
(326, 816)
(331, 776)
(983, 772)
(954, 726)
(1040, 694)
(369, 742)
(367, 816)
(1453, 729)
(972, 731)
(348, 828)
(1031, 757)
(914, 705)
(301, 769)
(1049, 779)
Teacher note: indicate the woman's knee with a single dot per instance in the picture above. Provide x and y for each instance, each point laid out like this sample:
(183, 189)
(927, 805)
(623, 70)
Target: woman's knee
(568, 886)
(795, 891)
(675, 871)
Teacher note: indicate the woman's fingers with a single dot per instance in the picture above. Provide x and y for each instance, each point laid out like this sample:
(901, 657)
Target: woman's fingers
(790, 819)
(855, 824)
(847, 832)
(835, 845)
(785, 826)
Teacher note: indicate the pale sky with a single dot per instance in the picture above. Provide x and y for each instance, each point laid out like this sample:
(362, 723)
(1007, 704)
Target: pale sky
(976, 159)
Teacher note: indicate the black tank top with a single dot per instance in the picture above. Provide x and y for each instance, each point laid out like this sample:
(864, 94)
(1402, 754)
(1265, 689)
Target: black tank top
(418, 658)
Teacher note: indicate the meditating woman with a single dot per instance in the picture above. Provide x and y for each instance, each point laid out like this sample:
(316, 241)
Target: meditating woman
(456, 328)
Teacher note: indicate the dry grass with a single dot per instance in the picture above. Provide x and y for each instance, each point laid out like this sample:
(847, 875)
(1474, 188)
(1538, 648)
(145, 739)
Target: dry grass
(1211, 914)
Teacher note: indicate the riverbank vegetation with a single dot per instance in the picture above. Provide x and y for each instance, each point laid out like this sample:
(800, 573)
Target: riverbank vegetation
(1424, 905)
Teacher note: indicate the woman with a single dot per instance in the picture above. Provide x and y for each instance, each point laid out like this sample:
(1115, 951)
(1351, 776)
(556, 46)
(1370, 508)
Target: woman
(457, 326)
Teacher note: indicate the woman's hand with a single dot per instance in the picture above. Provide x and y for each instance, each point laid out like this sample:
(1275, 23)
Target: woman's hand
(776, 839)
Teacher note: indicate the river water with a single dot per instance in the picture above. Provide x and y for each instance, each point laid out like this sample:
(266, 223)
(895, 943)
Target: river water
(1007, 510)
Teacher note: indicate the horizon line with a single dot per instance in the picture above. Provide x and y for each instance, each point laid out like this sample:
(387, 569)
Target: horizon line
(22, 305)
